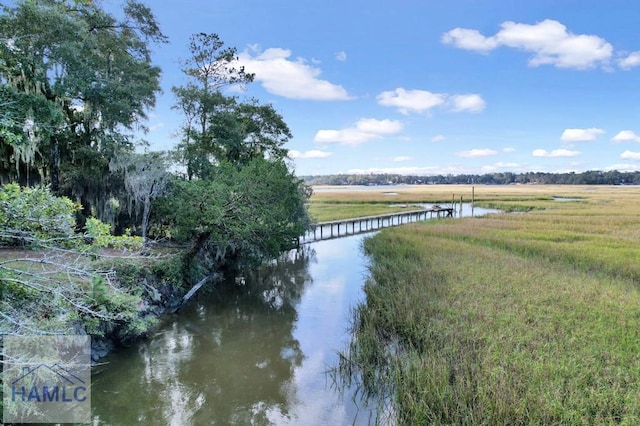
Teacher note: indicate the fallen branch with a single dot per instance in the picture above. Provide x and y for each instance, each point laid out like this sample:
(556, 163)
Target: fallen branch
(197, 287)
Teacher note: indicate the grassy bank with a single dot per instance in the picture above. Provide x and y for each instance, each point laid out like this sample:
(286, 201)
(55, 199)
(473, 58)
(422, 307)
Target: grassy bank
(509, 319)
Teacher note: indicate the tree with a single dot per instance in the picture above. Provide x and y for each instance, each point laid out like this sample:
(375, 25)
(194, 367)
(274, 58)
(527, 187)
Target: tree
(219, 127)
(254, 212)
(240, 199)
(79, 82)
(145, 177)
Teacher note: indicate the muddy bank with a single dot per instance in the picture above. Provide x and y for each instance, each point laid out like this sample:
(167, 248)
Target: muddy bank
(163, 286)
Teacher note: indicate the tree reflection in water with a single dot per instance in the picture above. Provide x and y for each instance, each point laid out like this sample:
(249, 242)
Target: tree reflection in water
(228, 357)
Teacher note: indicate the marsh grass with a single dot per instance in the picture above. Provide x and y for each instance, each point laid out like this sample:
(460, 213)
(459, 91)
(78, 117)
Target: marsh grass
(334, 203)
(322, 212)
(508, 319)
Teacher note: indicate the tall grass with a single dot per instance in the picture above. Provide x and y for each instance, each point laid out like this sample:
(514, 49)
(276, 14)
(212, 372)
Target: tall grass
(322, 212)
(510, 319)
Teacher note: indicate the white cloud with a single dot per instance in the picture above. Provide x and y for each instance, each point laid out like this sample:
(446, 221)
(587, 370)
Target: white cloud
(341, 56)
(402, 159)
(556, 153)
(365, 130)
(623, 167)
(411, 100)
(492, 168)
(314, 153)
(580, 135)
(502, 165)
(438, 138)
(508, 149)
(381, 127)
(476, 153)
(626, 136)
(630, 155)
(467, 39)
(471, 103)
(418, 101)
(294, 79)
(630, 61)
(549, 41)
(419, 171)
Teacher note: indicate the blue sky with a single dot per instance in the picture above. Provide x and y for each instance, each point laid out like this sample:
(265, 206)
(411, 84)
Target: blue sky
(428, 87)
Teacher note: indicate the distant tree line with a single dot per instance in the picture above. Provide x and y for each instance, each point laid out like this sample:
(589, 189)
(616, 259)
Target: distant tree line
(591, 177)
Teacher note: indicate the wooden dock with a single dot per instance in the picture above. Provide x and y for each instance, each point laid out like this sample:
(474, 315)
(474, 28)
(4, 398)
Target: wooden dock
(342, 228)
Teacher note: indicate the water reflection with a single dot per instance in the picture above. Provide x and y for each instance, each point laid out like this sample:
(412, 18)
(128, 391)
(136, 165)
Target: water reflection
(253, 351)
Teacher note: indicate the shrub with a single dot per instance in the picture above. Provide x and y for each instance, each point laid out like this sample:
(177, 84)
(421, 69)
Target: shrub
(100, 235)
(28, 215)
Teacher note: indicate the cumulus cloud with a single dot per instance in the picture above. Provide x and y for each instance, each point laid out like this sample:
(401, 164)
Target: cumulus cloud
(314, 153)
(418, 101)
(630, 155)
(438, 138)
(549, 41)
(632, 60)
(364, 130)
(411, 100)
(341, 56)
(470, 103)
(477, 153)
(580, 135)
(468, 39)
(556, 153)
(626, 136)
(291, 78)
(402, 159)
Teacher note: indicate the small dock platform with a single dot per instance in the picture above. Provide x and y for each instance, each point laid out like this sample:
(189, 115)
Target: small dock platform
(342, 228)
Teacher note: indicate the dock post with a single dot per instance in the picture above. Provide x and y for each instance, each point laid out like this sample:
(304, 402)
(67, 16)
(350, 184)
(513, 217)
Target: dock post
(473, 198)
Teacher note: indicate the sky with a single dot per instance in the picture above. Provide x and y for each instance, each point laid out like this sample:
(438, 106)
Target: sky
(427, 87)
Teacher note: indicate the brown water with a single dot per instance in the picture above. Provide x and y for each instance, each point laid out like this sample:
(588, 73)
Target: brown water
(252, 353)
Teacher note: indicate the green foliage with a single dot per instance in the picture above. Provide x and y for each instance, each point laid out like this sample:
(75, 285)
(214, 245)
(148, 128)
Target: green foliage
(101, 237)
(220, 128)
(77, 81)
(118, 304)
(59, 287)
(31, 215)
(258, 210)
(168, 271)
(113, 306)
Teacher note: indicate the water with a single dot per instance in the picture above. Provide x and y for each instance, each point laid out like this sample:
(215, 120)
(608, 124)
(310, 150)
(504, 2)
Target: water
(255, 353)
(567, 199)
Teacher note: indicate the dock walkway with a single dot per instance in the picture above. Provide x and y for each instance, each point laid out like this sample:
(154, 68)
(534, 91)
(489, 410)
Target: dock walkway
(344, 227)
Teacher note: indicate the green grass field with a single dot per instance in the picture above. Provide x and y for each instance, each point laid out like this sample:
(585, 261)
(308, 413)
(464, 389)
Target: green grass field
(527, 318)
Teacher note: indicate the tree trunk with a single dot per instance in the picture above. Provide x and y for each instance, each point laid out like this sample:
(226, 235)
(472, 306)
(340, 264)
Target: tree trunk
(55, 165)
(145, 219)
